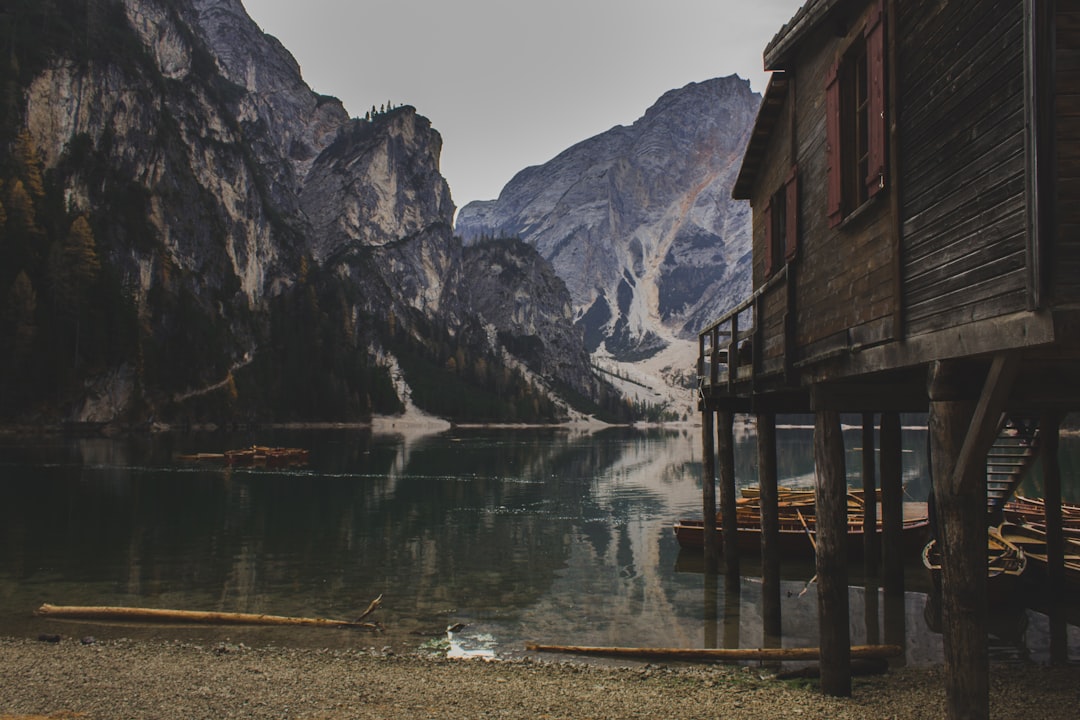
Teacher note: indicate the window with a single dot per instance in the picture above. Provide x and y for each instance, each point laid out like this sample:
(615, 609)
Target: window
(781, 224)
(855, 121)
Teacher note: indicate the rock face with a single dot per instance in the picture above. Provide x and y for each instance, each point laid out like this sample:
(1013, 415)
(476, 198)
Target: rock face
(265, 255)
(639, 221)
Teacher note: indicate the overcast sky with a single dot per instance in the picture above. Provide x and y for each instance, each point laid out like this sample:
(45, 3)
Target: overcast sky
(509, 83)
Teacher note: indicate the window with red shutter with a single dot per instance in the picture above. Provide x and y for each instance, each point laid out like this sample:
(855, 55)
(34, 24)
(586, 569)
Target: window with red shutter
(855, 123)
(781, 224)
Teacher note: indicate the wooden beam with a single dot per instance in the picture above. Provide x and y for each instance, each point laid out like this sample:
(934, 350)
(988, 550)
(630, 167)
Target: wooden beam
(770, 528)
(871, 546)
(961, 526)
(830, 495)
(1049, 437)
(892, 505)
(725, 440)
(894, 393)
(985, 423)
(708, 489)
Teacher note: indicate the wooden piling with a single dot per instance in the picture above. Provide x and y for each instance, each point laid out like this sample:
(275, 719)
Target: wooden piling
(871, 544)
(770, 528)
(725, 440)
(1049, 433)
(708, 489)
(892, 505)
(961, 522)
(830, 488)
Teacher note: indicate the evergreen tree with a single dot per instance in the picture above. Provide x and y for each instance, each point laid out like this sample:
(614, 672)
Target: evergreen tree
(73, 269)
(28, 164)
(21, 307)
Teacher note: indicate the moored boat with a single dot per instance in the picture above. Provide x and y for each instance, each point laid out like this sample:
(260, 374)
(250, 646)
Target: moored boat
(1006, 562)
(797, 528)
(254, 455)
(1032, 540)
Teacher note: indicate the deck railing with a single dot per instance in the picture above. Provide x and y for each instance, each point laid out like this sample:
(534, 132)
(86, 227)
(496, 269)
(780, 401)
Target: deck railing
(726, 347)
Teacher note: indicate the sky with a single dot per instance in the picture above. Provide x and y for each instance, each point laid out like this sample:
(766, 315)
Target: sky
(509, 83)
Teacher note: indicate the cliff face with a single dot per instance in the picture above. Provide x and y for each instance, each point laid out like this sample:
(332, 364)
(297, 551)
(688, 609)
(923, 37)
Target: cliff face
(639, 221)
(253, 252)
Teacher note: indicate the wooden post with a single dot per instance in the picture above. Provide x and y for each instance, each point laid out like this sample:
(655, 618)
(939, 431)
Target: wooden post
(733, 354)
(725, 440)
(871, 546)
(1055, 539)
(892, 505)
(961, 520)
(710, 610)
(708, 489)
(830, 492)
(770, 528)
(732, 611)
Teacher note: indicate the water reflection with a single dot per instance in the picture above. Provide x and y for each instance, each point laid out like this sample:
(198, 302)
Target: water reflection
(549, 535)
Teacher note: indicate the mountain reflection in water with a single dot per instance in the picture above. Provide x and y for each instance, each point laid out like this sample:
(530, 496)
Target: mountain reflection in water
(550, 535)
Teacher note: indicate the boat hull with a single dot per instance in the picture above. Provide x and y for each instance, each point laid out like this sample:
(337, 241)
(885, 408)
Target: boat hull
(796, 542)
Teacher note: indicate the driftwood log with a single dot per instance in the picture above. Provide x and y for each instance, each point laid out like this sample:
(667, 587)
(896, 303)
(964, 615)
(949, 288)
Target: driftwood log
(155, 615)
(717, 654)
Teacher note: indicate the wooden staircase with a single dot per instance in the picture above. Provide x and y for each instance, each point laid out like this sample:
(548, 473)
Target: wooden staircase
(1009, 459)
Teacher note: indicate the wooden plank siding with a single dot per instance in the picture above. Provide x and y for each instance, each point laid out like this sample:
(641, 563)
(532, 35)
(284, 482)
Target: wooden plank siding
(844, 290)
(1065, 269)
(960, 78)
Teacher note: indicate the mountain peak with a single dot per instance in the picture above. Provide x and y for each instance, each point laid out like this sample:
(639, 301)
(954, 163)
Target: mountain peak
(639, 221)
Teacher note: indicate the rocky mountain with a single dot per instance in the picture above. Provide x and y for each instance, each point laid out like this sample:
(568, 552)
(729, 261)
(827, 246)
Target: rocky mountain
(189, 233)
(640, 225)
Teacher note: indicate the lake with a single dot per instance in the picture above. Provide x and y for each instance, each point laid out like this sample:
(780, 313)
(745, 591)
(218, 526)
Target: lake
(555, 536)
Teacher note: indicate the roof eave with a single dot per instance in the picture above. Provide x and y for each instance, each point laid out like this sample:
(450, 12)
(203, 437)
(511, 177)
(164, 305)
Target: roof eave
(779, 50)
(764, 124)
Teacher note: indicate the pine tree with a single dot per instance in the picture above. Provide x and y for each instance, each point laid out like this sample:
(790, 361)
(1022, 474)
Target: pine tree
(73, 269)
(29, 164)
(74, 264)
(21, 206)
(21, 307)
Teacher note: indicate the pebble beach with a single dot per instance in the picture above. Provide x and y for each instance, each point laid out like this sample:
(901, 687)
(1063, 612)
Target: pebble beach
(170, 680)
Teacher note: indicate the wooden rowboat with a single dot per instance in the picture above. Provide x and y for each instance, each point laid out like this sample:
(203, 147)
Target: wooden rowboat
(1032, 540)
(1006, 562)
(797, 535)
(254, 455)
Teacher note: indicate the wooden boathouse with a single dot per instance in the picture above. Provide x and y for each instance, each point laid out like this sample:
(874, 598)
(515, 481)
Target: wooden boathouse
(914, 175)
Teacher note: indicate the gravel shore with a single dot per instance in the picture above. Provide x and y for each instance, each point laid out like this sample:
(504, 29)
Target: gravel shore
(172, 680)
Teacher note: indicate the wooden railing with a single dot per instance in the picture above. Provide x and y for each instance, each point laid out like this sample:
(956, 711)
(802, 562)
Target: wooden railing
(726, 346)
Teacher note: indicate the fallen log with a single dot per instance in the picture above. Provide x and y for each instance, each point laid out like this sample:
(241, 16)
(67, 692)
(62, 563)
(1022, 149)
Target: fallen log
(717, 654)
(155, 615)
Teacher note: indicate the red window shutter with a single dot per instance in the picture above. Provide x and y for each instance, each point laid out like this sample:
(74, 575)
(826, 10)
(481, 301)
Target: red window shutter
(791, 205)
(768, 239)
(832, 144)
(875, 115)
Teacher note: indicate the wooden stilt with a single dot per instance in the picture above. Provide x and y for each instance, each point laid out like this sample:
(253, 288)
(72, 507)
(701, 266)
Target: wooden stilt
(830, 489)
(961, 432)
(1055, 539)
(725, 441)
(732, 611)
(770, 528)
(708, 489)
(892, 505)
(871, 541)
(711, 607)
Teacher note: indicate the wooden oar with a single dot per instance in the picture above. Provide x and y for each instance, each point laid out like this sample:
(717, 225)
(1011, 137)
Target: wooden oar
(135, 614)
(717, 654)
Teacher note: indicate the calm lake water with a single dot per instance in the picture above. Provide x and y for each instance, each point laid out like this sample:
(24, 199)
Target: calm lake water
(553, 536)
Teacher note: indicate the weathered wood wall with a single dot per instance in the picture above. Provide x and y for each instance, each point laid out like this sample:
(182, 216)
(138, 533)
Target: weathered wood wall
(845, 290)
(962, 162)
(1065, 268)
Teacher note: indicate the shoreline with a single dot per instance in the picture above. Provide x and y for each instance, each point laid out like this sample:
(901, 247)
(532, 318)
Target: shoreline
(169, 680)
